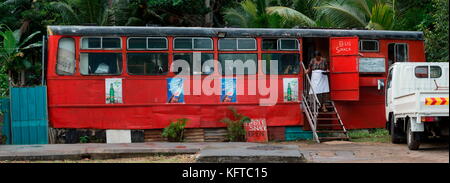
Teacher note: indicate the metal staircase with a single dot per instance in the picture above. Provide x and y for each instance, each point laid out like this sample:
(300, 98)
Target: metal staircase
(324, 125)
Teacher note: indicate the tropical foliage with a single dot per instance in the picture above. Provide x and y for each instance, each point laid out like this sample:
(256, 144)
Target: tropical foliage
(175, 131)
(235, 125)
(12, 56)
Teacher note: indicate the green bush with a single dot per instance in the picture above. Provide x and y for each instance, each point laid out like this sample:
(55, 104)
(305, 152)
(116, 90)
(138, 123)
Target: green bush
(175, 131)
(235, 127)
(84, 139)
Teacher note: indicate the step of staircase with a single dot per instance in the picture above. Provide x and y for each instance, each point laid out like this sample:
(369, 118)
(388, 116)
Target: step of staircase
(328, 125)
(327, 113)
(331, 131)
(327, 119)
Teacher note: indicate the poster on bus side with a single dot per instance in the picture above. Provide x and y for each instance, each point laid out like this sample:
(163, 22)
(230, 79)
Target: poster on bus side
(256, 130)
(175, 90)
(113, 90)
(228, 90)
(290, 89)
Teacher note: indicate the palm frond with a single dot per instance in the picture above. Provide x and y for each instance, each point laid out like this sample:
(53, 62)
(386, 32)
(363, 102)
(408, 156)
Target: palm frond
(250, 7)
(235, 17)
(343, 15)
(382, 17)
(290, 14)
(67, 13)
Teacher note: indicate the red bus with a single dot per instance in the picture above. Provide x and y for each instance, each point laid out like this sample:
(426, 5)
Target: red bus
(119, 77)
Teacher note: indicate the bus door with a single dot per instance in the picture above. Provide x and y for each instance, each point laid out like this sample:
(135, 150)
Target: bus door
(344, 68)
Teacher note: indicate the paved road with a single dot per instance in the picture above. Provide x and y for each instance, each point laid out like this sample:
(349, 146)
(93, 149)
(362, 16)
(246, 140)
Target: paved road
(328, 152)
(369, 152)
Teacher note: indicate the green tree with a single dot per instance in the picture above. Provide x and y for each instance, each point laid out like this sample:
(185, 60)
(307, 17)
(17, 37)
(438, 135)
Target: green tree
(258, 14)
(92, 12)
(12, 57)
(436, 32)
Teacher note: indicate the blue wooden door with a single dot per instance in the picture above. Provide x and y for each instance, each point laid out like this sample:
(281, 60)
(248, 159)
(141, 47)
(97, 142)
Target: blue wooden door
(29, 118)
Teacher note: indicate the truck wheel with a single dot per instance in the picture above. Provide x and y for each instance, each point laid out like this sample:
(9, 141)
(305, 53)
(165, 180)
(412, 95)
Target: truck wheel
(396, 134)
(412, 138)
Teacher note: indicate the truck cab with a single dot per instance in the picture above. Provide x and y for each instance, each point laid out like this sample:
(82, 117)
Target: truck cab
(417, 99)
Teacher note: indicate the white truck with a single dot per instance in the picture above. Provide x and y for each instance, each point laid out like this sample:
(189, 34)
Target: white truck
(417, 102)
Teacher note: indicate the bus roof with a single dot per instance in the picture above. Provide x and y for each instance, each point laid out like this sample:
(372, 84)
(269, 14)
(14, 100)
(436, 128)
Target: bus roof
(228, 32)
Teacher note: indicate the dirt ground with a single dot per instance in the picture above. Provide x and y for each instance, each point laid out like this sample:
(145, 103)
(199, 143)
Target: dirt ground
(372, 152)
(182, 158)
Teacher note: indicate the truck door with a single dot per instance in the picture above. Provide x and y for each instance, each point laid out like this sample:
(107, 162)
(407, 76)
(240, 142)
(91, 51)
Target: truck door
(344, 68)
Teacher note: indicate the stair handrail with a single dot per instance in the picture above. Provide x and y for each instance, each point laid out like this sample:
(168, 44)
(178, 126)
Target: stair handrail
(311, 102)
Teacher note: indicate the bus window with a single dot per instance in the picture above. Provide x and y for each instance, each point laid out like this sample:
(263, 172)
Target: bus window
(401, 52)
(270, 44)
(111, 43)
(181, 43)
(288, 44)
(288, 63)
(397, 52)
(100, 63)
(147, 63)
(280, 44)
(189, 57)
(149, 43)
(65, 64)
(100, 43)
(156, 43)
(368, 46)
(203, 44)
(137, 43)
(233, 44)
(249, 60)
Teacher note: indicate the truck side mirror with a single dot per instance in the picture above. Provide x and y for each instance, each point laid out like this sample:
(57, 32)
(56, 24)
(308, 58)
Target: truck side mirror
(380, 84)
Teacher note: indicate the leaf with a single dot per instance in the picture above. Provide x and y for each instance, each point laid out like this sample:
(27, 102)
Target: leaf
(291, 15)
(343, 15)
(33, 45)
(28, 38)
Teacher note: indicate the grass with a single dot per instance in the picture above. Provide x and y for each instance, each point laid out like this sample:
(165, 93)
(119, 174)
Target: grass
(183, 158)
(371, 135)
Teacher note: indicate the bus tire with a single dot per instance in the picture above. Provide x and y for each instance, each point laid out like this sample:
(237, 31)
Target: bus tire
(396, 133)
(412, 138)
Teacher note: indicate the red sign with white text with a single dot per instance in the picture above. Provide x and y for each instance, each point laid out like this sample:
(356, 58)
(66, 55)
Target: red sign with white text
(344, 46)
(256, 130)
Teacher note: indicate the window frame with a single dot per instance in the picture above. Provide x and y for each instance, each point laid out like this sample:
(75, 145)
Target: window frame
(264, 71)
(237, 44)
(369, 40)
(279, 44)
(429, 72)
(101, 43)
(193, 43)
(236, 74)
(395, 51)
(75, 57)
(117, 74)
(406, 51)
(287, 39)
(146, 44)
(131, 74)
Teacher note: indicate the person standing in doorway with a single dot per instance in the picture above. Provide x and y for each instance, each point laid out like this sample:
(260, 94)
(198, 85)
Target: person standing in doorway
(318, 66)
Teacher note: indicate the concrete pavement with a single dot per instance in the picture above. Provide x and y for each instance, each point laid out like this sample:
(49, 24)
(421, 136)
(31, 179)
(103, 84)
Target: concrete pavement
(206, 152)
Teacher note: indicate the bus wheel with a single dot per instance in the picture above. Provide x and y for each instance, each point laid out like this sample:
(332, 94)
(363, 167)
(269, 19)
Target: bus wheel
(412, 138)
(396, 134)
